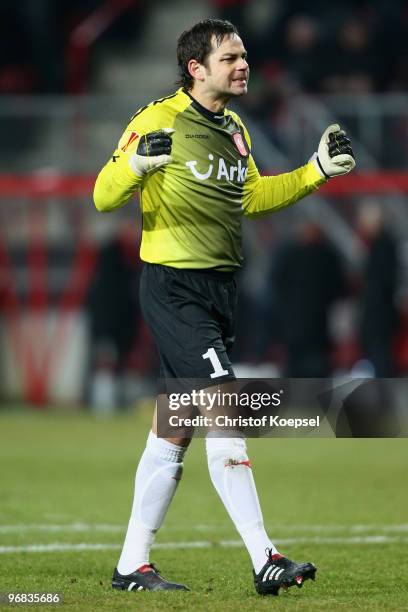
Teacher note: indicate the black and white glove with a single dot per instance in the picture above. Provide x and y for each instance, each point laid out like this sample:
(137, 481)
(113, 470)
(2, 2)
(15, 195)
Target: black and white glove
(334, 155)
(153, 152)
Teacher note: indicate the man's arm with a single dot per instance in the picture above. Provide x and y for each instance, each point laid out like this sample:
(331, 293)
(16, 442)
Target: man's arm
(135, 157)
(116, 183)
(266, 194)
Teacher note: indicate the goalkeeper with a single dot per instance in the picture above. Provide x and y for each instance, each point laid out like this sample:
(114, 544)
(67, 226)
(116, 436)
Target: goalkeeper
(190, 159)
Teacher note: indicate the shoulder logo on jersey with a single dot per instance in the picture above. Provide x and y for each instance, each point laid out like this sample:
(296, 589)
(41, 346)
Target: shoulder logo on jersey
(240, 144)
(229, 173)
(133, 136)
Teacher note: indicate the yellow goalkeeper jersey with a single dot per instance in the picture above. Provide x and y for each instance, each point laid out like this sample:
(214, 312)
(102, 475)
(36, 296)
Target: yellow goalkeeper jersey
(192, 208)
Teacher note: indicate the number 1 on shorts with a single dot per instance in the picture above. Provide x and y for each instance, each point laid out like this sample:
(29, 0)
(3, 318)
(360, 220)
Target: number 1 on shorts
(215, 362)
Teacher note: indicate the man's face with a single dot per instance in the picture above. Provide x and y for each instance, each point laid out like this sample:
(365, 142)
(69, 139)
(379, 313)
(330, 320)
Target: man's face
(226, 68)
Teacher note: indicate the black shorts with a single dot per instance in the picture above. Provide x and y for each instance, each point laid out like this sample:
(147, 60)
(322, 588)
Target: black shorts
(191, 314)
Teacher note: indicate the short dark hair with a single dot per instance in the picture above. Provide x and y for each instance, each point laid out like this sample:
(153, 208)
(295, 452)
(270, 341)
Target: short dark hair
(196, 43)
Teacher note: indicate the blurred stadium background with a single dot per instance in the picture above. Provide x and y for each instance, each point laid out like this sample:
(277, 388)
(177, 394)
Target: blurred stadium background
(324, 290)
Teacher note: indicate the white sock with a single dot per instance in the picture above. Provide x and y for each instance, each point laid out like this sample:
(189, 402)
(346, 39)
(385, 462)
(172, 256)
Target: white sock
(157, 477)
(232, 477)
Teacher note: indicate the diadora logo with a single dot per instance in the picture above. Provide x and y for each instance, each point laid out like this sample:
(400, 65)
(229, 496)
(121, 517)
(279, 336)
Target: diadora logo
(231, 173)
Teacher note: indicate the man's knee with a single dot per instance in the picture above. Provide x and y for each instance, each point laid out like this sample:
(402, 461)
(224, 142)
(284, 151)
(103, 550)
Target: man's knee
(231, 451)
(178, 440)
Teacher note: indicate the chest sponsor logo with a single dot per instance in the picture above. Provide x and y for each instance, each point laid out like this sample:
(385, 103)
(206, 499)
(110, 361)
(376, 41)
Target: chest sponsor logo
(240, 144)
(223, 170)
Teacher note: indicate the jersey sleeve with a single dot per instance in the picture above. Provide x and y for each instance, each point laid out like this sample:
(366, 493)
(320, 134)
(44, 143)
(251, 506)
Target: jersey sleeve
(267, 194)
(116, 182)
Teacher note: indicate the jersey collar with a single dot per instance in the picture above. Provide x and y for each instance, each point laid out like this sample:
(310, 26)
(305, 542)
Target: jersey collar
(217, 118)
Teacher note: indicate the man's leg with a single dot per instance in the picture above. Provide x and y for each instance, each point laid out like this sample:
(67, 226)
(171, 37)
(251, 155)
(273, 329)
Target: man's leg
(231, 471)
(231, 475)
(157, 477)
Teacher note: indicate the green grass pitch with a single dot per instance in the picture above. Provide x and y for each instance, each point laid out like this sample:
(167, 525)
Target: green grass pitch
(67, 480)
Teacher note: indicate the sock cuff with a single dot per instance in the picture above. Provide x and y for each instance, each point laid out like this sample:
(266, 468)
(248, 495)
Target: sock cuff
(159, 447)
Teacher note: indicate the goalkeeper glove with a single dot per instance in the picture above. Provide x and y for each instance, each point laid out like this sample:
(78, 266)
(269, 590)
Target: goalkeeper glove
(152, 153)
(334, 155)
